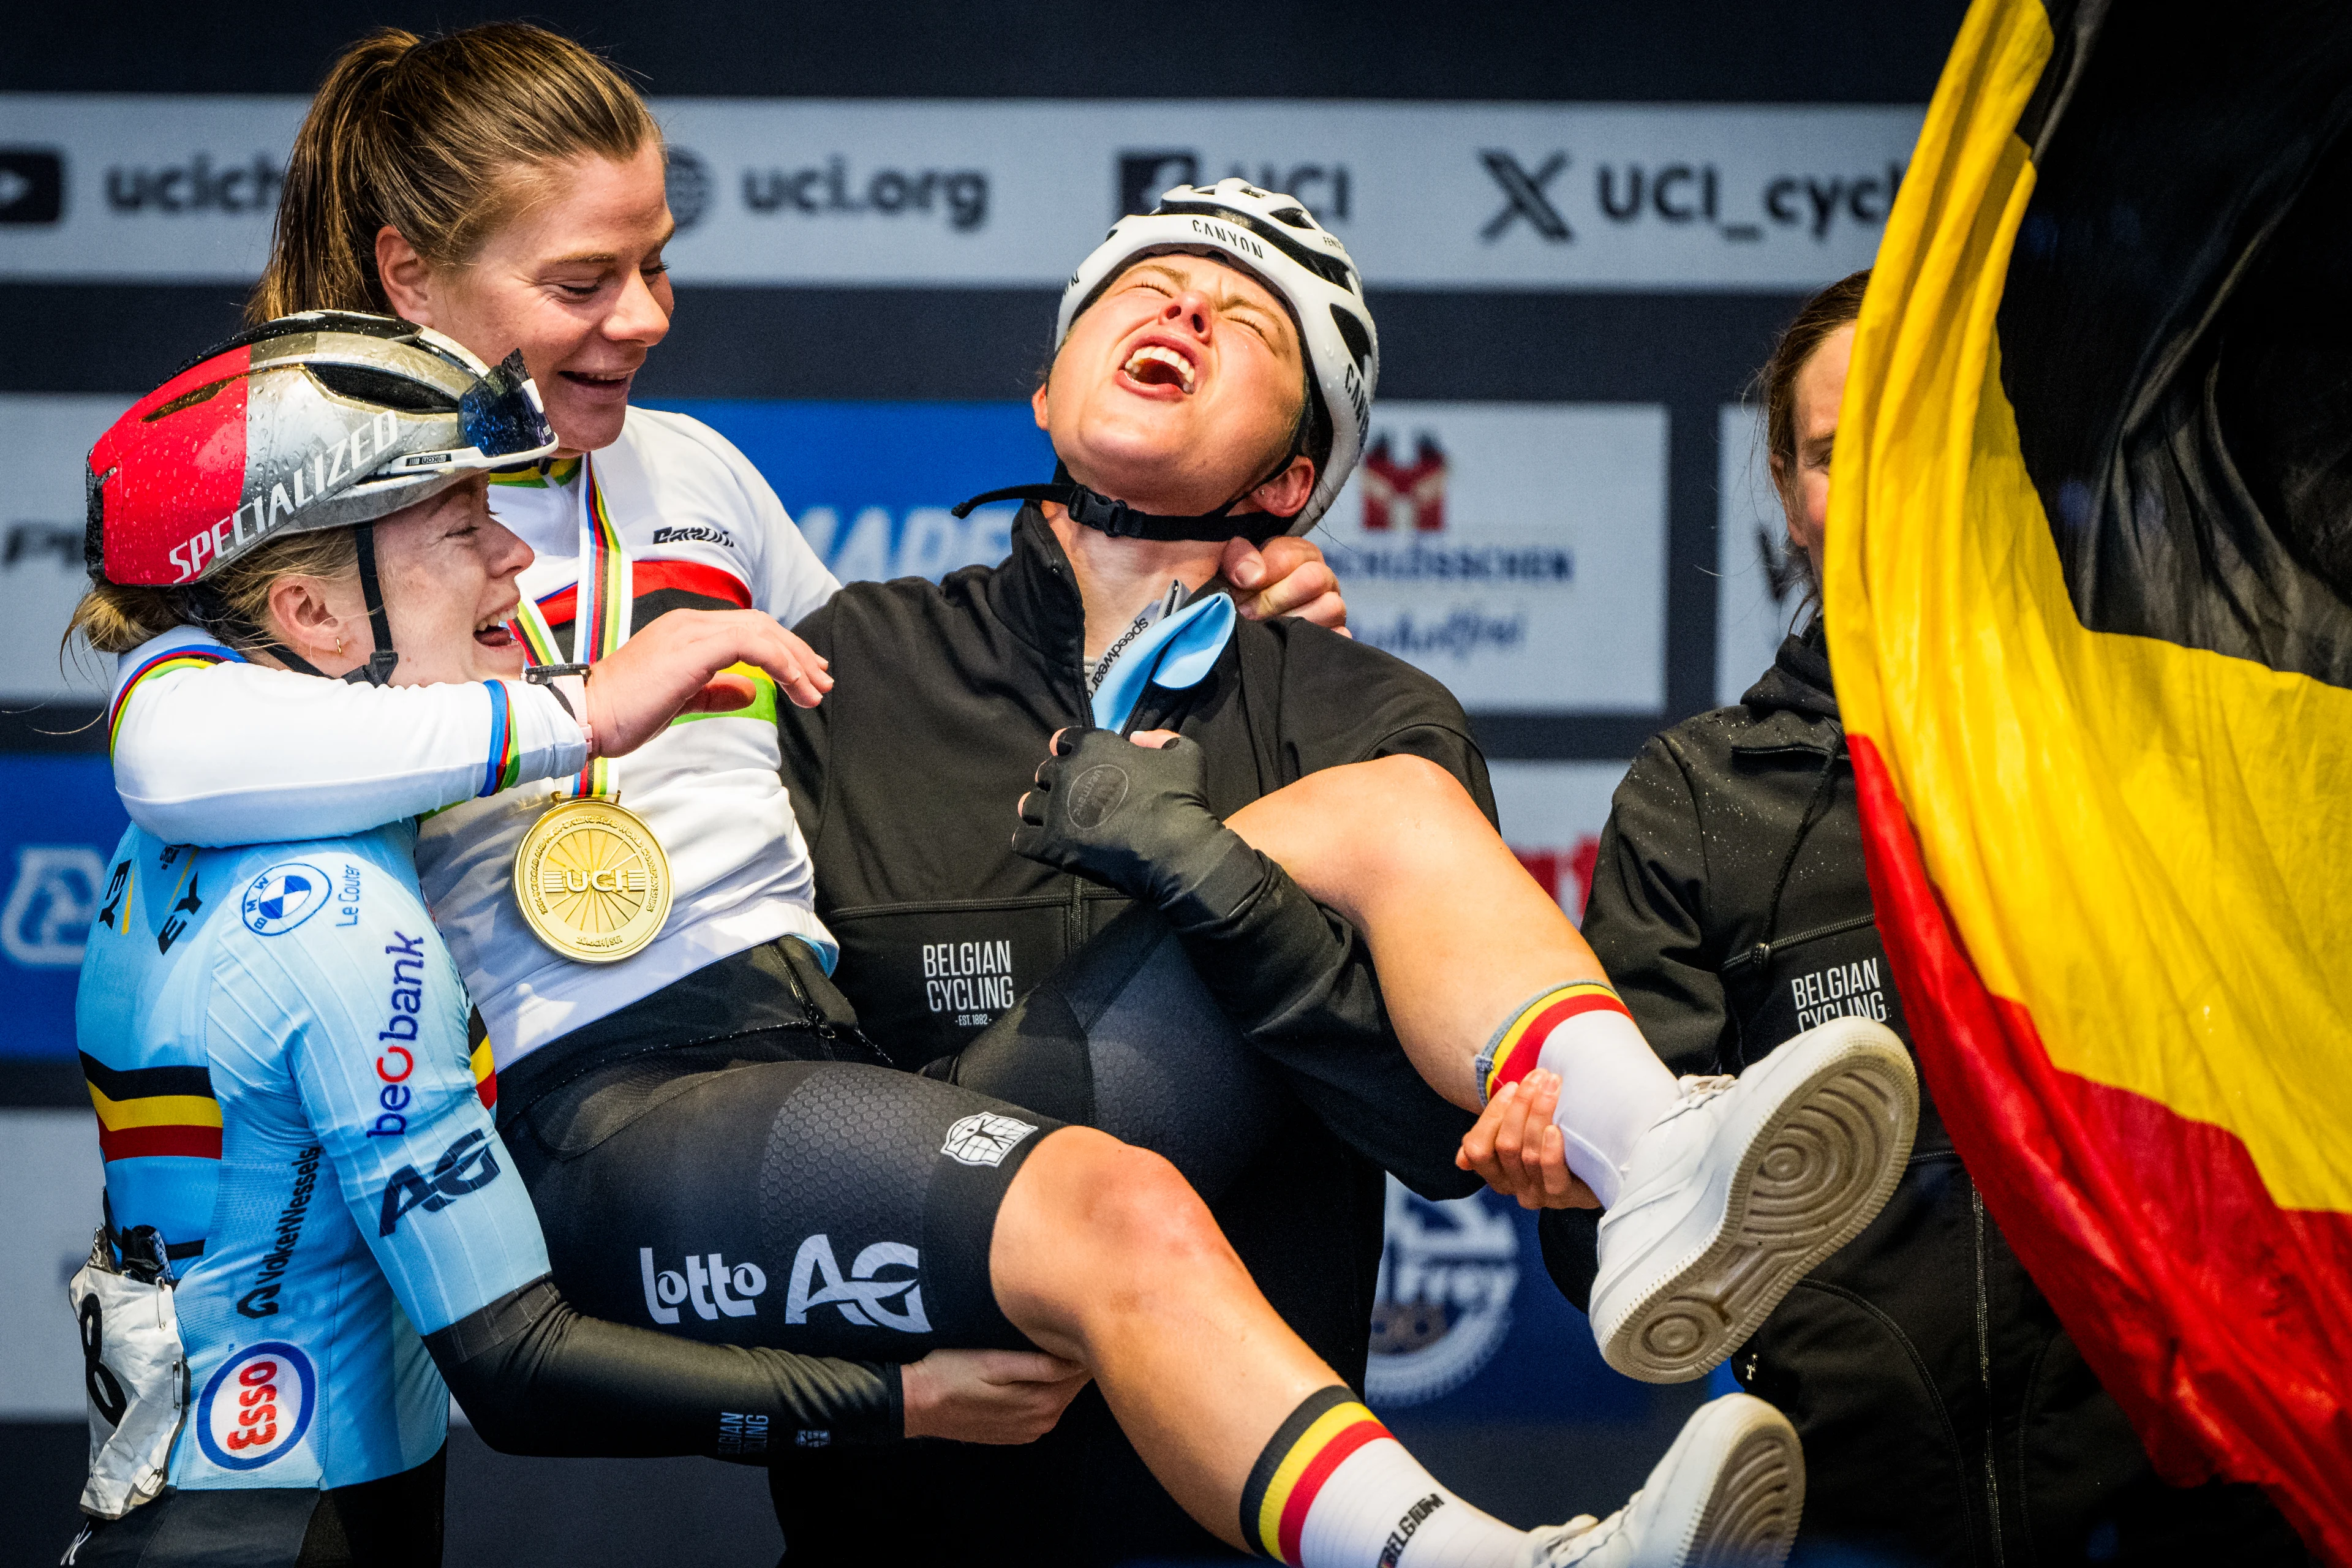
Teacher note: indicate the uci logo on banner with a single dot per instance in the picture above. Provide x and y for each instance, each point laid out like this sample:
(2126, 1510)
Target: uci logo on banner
(257, 1407)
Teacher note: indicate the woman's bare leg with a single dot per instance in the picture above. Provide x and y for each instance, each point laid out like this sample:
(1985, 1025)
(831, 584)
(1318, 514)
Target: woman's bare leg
(1460, 935)
(1101, 1254)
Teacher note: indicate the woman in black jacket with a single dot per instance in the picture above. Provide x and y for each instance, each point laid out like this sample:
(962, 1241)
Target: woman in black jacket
(1946, 1415)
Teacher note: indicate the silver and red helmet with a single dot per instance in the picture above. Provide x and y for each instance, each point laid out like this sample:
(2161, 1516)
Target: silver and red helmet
(328, 419)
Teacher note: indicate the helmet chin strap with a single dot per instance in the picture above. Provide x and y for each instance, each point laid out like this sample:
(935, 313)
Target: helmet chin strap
(377, 670)
(1092, 508)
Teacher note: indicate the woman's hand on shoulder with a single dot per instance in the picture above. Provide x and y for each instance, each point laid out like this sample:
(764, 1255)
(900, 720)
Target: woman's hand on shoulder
(679, 664)
(1286, 576)
(988, 1397)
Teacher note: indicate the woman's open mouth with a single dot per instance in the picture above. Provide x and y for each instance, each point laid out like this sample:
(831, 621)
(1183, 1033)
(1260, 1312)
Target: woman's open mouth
(1157, 366)
(494, 632)
(605, 385)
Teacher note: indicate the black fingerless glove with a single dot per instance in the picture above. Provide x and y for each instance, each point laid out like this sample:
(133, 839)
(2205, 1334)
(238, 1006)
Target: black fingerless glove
(1137, 819)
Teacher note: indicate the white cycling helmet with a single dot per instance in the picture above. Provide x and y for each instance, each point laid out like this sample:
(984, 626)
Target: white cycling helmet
(1276, 240)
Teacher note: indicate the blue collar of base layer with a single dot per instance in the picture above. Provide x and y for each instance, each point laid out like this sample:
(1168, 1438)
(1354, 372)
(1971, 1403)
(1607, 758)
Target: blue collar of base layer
(1176, 652)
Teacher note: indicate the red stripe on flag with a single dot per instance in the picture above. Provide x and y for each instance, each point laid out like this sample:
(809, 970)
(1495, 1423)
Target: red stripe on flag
(651, 576)
(2212, 1315)
(142, 1142)
(1310, 1481)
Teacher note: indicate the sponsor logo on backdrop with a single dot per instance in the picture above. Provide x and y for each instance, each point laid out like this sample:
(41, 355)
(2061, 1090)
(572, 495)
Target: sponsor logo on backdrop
(1408, 496)
(1405, 493)
(28, 542)
(1676, 195)
(863, 1298)
(919, 542)
(32, 184)
(958, 198)
(1565, 874)
(1428, 195)
(199, 186)
(49, 905)
(256, 1407)
(710, 1285)
(686, 180)
(1525, 195)
(1514, 551)
(1326, 190)
(1443, 1303)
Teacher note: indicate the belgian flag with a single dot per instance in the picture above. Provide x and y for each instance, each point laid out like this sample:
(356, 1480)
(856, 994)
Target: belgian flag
(2089, 599)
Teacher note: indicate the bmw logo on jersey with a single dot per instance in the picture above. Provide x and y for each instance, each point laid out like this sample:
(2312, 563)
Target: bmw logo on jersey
(284, 896)
(257, 1407)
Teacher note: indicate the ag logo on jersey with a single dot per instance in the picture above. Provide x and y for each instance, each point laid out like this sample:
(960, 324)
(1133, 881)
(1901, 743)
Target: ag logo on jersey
(284, 896)
(257, 1405)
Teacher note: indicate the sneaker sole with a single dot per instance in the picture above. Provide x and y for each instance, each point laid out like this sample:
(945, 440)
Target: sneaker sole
(1750, 1517)
(1814, 1174)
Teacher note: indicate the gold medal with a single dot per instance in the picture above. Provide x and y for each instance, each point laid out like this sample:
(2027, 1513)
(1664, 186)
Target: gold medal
(592, 880)
(590, 877)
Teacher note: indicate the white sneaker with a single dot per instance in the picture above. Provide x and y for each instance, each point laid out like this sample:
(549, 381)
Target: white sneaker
(1742, 1188)
(1727, 1495)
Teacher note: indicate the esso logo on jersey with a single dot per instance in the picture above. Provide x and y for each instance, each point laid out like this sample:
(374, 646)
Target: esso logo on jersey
(284, 896)
(256, 1407)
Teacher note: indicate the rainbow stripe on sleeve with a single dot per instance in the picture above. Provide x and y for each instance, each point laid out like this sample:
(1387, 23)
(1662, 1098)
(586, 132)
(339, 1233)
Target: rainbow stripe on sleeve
(161, 664)
(506, 758)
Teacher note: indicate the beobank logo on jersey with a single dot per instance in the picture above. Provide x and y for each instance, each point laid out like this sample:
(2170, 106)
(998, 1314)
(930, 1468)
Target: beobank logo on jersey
(257, 1407)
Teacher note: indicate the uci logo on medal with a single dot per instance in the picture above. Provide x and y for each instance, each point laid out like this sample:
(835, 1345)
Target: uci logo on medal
(284, 896)
(257, 1405)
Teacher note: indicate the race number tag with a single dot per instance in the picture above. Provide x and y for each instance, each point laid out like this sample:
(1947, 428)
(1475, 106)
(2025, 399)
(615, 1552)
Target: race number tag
(135, 1379)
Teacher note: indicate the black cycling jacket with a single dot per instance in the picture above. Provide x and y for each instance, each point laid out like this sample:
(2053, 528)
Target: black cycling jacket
(1946, 1417)
(904, 780)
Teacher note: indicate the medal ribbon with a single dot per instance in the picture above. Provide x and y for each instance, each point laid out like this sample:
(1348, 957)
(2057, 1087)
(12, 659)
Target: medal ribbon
(600, 619)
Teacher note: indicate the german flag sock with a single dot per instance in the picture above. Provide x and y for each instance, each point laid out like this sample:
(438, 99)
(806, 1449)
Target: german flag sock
(1334, 1490)
(1612, 1085)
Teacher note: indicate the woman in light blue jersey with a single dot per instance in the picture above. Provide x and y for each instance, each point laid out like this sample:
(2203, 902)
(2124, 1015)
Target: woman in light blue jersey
(311, 1220)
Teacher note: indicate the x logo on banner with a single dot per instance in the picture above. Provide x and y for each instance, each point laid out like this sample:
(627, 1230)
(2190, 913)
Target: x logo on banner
(1525, 192)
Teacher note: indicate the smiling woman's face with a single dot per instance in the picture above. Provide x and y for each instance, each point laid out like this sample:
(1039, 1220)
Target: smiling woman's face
(575, 280)
(447, 569)
(1177, 387)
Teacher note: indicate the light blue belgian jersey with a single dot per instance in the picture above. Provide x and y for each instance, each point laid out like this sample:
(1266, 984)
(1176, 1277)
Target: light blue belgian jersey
(275, 1041)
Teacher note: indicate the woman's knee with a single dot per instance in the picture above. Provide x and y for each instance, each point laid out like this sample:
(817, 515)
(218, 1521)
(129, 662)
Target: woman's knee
(1112, 1204)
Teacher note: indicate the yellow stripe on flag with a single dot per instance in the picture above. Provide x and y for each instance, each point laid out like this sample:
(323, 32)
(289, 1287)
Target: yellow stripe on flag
(2160, 806)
